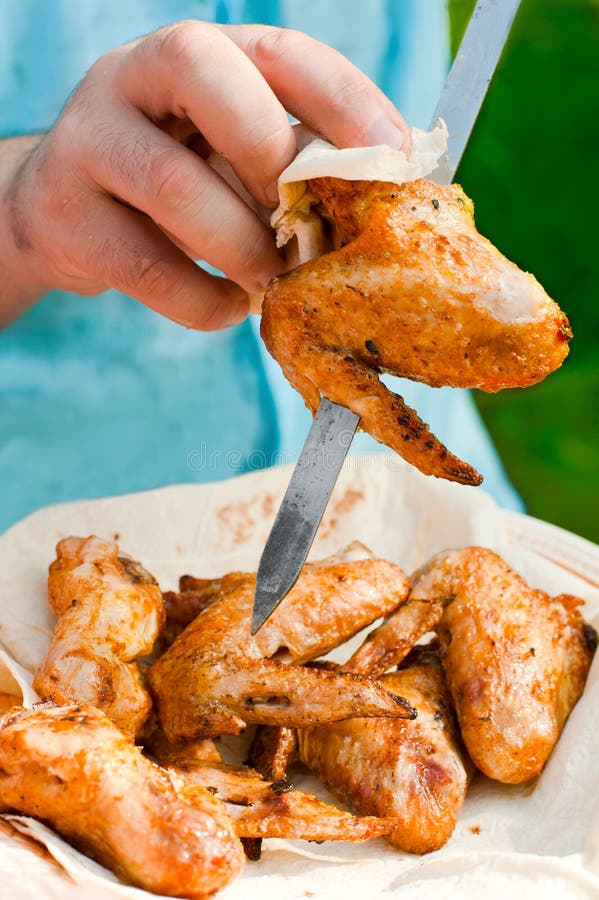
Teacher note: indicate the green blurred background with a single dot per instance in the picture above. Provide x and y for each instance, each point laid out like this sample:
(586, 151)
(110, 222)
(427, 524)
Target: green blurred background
(531, 168)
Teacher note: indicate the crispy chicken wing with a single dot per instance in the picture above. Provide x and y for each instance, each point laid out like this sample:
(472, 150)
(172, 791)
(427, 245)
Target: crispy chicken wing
(109, 611)
(216, 676)
(516, 660)
(414, 290)
(415, 772)
(72, 768)
(296, 815)
(268, 809)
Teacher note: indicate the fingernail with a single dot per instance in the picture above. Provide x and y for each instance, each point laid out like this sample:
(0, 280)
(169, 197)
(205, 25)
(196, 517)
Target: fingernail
(384, 132)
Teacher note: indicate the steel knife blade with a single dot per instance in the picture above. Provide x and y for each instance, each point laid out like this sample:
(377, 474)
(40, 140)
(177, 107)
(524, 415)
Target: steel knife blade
(300, 512)
(332, 430)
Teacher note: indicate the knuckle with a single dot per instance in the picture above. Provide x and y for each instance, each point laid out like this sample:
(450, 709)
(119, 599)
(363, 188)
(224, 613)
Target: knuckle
(123, 265)
(131, 158)
(208, 316)
(100, 69)
(274, 43)
(81, 101)
(352, 91)
(124, 153)
(168, 179)
(178, 44)
(153, 277)
(94, 86)
(269, 144)
(211, 312)
(106, 260)
(126, 266)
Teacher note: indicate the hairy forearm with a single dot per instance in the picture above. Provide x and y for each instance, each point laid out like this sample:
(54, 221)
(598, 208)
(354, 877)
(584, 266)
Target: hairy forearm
(20, 283)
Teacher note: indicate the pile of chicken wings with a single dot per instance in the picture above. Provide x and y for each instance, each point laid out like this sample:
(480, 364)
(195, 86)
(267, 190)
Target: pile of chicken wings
(470, 668)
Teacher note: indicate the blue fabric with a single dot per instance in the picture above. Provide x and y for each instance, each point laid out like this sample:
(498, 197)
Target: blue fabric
(100, 395)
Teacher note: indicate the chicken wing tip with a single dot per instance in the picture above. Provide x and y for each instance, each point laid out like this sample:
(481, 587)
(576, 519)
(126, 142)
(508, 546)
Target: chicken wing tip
(411, 713)
(465, 474)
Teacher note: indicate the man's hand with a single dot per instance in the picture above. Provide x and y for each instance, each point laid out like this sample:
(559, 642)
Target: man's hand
(118, 193)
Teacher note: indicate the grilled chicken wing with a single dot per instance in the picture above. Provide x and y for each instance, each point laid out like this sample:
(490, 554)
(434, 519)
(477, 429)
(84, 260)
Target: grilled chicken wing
(516, 660)
(296, 815)
(415, 772)
(216, 676)
(72, 768)
(109, 611)
(268, 809)
(414, 290)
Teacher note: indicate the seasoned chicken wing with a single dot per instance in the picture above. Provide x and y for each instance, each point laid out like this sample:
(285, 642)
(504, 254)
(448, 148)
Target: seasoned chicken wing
(284, 812)
(73, 769)
(110, 612)
(268, 809)
(216, 677)
(516, 660)
(415, 772)
(414, 290)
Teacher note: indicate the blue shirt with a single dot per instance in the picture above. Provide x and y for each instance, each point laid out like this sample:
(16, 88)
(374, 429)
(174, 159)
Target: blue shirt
(102, 396)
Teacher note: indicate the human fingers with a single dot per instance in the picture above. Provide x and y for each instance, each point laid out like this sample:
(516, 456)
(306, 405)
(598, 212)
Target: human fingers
(130, 253)
(135, 161)
(322, 88)
(194, 70)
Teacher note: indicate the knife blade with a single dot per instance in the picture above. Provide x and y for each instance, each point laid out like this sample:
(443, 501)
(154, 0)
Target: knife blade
(332, 430)
(300, 512)
(469, 79)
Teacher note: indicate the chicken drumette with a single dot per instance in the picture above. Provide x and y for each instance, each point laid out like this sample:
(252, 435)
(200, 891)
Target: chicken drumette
(110, 612)
(413, 290)
(73, 769)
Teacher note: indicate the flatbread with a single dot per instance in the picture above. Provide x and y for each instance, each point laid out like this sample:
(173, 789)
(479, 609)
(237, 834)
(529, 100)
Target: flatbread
(537, 840)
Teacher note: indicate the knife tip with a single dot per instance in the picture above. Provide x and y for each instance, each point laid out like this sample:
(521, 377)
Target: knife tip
(271, 589)
(259, 618)
(265, 604)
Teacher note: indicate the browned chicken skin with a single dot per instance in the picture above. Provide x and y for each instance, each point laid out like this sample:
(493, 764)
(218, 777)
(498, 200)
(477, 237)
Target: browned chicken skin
(194, 596)
(269, 809)
(216, 676)
(72, 768)
(413, 290)
(272, 750)
(515, 659)
(296, 815)
(415, 772)
(110, 612)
